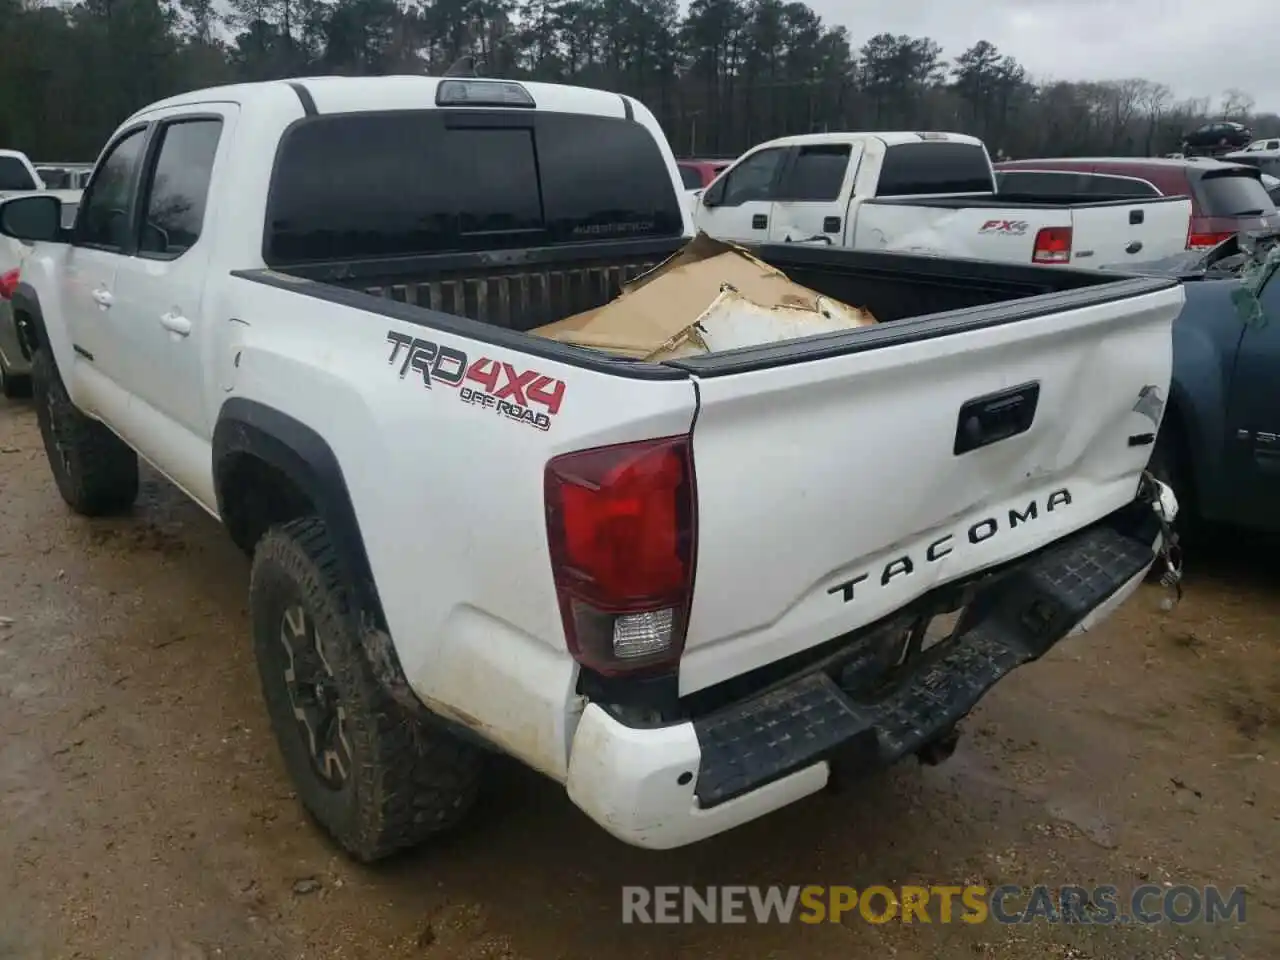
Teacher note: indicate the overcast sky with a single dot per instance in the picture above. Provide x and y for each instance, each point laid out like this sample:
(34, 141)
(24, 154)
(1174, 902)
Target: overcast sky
(1198, 48)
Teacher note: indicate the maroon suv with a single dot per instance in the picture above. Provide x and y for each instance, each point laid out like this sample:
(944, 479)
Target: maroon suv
(698, 174)
(1225, 197)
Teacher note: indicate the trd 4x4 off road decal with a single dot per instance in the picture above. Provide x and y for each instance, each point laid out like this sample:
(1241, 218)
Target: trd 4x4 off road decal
(484, 382)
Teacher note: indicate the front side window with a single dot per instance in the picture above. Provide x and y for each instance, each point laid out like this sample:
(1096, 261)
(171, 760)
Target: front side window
(179, 187)
(753, 177)
(107, 201)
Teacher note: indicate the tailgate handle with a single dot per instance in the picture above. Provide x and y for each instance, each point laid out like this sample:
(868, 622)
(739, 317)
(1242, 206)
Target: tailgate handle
(1137, 216)
(759, 222)
(996, 416)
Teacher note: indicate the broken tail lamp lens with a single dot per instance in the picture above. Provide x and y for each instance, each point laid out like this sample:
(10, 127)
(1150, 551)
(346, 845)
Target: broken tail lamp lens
(1052, 245)
(621, 531)
(9, 283)
(482, 93)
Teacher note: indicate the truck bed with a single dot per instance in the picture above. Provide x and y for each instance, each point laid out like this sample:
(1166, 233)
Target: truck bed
(524, 289)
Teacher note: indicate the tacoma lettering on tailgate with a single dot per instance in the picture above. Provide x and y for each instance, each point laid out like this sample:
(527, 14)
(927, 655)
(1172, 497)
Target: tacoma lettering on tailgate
(979, 532)
(484, 382)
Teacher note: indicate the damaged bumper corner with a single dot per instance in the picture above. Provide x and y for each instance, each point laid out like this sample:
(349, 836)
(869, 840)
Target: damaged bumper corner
(668, 786)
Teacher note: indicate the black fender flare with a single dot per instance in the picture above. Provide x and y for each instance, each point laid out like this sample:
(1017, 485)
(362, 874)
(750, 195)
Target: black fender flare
(27, 302)
(301, 454)
(246, 427)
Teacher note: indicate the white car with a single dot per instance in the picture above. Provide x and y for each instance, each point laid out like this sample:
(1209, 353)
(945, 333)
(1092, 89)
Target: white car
(684, 590)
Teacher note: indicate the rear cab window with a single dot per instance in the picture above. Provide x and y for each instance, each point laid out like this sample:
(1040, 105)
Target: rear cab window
(407, 183)
(934, 167)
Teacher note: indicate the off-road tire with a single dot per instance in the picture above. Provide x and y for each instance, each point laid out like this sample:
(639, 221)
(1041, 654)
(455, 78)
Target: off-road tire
(96, 472)
(408, 780)
(14, 386)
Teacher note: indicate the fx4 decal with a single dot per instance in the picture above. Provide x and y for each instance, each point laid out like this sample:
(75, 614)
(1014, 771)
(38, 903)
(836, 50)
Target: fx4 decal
(1009, 228)
(526, 396)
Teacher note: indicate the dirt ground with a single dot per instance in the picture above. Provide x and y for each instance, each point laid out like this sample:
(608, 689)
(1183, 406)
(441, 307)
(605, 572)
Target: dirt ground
(145, 814)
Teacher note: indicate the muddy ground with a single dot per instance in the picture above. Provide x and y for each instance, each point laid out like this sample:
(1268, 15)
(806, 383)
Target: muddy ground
(144, 812)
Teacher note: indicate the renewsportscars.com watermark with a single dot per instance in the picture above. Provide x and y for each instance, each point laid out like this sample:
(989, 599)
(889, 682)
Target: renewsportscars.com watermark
(1007, 904)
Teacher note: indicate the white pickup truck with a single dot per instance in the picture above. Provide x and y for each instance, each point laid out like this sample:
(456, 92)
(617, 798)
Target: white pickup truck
(685, 590)
(928, 193)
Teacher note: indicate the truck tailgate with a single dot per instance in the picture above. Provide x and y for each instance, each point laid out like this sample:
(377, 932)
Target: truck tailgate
(833, 491)
(1145, 230)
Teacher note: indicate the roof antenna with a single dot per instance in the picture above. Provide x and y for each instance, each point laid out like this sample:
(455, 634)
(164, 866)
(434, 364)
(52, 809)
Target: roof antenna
(464, 66)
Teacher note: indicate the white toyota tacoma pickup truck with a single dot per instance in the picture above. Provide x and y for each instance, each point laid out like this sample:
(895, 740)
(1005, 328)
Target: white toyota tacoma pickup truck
(929, 193)
(685, 590)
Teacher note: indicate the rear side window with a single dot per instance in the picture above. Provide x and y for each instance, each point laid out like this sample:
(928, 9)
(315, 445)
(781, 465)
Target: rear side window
(1039, 183)
(916, 169)
(357, 186)
(1234, 195)
(1111, 186)
(14, 175)
(817, 173)
(179, 187)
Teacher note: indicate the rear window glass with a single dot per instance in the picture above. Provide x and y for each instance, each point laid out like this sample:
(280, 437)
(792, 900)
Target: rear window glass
(915, 169)
(14, 175)
(1234, 195)
(356, 186)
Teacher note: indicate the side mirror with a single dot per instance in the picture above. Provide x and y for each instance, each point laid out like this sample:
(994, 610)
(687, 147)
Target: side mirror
(32, 219)
(712, 196)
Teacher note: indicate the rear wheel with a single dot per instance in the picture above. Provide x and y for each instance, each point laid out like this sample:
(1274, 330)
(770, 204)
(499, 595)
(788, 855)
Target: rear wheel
(375, 779)
(95, 470)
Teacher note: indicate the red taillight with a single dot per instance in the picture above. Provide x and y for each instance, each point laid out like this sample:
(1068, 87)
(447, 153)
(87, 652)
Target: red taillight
(1199, 238)
(1053, 245)
(9, 283)
(621, 528)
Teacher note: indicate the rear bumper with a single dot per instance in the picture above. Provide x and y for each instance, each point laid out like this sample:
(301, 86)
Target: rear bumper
(669, 786)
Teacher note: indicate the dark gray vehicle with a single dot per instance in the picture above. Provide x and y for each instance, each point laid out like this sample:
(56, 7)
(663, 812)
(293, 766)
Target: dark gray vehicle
(1219, 442)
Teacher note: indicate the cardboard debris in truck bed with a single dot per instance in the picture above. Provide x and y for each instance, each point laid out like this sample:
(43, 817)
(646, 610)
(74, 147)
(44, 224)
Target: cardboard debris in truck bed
(710, 296)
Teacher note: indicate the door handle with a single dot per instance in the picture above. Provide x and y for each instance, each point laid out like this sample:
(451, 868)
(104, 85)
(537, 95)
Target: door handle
(1135, 247)
(102, 297)
(175, 322)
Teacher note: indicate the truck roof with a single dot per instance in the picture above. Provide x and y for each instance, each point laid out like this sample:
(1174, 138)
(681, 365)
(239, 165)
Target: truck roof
(409, 92)
(890, 138)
